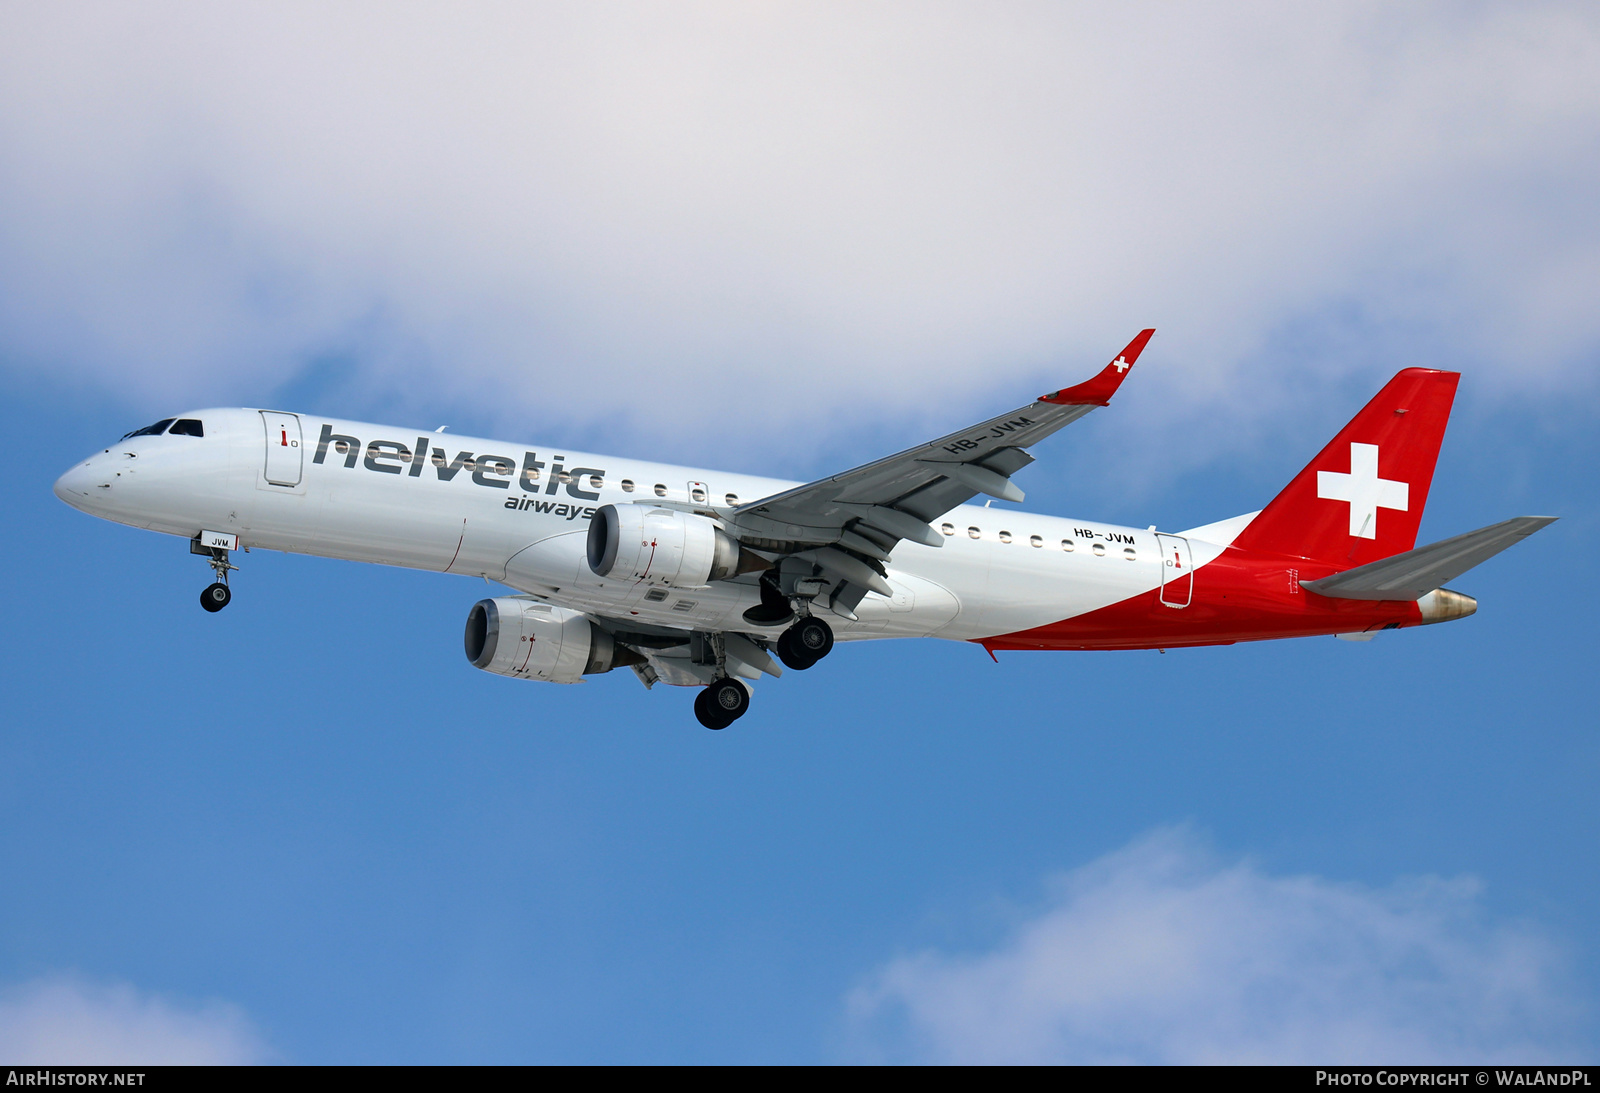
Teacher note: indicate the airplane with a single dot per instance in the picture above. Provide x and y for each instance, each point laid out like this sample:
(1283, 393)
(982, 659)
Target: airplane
(698, 578)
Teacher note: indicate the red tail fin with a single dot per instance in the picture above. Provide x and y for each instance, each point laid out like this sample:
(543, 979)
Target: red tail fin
(1361, 499)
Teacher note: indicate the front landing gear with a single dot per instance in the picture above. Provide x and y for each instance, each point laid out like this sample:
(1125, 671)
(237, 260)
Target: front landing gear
(805, 643)
(217, 595)
(722, 703)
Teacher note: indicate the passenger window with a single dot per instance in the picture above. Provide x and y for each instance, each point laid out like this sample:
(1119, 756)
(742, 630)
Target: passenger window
(1128, 553)
(698, 495)
(947, 529)
(1036, 540)
(1099, 550)
(732, 499)
(150, 430)
(1066, 544)
(974, 533)
(1005, 536)
(661, 491)
(187, 426)
(627, 485)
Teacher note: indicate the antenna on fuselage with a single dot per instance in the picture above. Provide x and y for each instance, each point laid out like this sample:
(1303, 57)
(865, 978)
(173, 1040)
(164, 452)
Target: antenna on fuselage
(441, 428)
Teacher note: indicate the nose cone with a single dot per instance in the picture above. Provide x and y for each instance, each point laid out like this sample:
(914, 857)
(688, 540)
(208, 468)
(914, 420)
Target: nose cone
(77, 485)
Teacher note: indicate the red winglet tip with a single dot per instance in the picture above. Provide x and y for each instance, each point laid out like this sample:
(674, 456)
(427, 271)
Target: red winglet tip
(1098, 391)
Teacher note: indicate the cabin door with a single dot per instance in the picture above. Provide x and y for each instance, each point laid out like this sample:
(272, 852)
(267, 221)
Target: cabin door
(1177, 576)
(284, 451)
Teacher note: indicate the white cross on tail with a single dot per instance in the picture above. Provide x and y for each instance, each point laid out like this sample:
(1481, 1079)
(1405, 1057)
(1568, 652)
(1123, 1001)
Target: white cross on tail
(1366, 492)
(1121, 364)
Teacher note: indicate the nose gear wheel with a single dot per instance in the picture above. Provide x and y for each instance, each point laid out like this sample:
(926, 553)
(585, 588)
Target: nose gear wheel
(216, 595)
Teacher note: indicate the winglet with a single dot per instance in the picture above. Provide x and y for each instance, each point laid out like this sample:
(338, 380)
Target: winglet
(1098, 391)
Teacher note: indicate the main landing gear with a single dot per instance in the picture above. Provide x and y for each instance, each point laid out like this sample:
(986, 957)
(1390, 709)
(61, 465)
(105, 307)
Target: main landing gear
(774, 608)
(722, 703)
(725, 700)
(806, 642)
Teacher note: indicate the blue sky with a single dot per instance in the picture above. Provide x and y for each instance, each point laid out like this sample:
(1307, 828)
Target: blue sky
(306, 829)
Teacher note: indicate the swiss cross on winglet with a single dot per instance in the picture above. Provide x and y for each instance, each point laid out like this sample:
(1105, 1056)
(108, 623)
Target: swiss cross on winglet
(1098, 391)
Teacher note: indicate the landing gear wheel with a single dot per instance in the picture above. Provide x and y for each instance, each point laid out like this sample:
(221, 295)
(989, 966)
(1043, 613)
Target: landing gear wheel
(705, 714)
(792, 657)
(722, 703)
(774, 609)
(728, 697)
(216, 595)
(811, 637)
(768, 614)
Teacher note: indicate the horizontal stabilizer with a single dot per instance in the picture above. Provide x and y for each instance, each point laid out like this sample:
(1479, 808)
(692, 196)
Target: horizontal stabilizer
(1412, 575)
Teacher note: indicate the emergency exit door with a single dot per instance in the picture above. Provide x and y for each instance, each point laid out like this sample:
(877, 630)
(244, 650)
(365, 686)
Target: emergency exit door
(284, 451)
(1177, 576)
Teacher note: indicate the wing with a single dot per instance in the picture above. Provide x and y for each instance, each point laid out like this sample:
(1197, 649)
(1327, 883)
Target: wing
(868, 510)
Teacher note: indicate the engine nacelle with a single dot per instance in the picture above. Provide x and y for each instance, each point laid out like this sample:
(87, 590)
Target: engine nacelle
(526, 639)
(660, 546)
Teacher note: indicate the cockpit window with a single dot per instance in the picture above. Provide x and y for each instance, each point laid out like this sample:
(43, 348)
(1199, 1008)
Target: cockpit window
(187, 426)
(151, 430)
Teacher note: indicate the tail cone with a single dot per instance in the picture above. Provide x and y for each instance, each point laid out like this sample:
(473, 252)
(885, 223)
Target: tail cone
(1442, 605)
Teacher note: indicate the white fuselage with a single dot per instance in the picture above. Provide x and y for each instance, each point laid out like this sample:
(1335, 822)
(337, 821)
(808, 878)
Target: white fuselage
(520, 515)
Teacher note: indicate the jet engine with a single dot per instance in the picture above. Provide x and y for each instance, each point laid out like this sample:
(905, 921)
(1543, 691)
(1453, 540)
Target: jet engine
(661, 546)
(525, 639)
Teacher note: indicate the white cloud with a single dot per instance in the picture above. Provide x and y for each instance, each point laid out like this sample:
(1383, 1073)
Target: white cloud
(1160, 953)
(66, 1021)
(744, 214)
